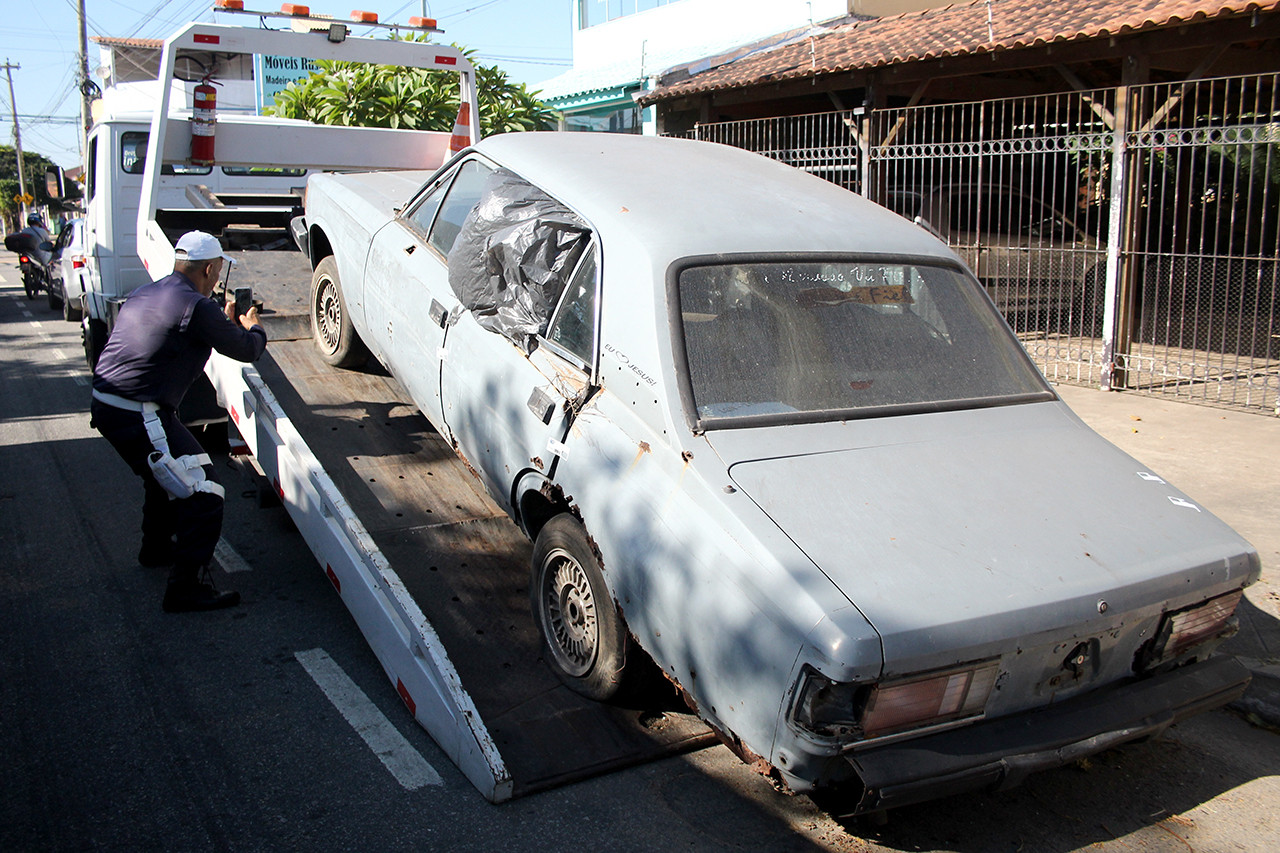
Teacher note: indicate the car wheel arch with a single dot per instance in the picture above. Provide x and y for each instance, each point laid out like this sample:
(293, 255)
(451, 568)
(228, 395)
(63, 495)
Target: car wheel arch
(536, 500)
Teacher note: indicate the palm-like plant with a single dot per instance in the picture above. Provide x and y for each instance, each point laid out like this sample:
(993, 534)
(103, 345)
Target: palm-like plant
(360, 95)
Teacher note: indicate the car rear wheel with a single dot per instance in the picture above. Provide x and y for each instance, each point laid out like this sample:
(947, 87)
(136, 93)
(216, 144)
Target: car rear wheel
(331, 328)
(70, 312)
(574, 611)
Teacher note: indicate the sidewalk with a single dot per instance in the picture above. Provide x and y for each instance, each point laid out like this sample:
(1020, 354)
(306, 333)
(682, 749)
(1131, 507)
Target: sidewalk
(1230, 463)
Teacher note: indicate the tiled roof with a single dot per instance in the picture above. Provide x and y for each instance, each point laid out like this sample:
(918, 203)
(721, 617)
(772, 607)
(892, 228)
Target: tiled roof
(972, 27)
(111, 41)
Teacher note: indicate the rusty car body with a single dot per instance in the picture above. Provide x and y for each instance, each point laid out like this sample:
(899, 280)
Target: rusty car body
(781, 440)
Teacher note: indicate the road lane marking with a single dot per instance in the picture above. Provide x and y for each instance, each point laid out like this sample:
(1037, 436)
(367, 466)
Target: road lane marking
(227, 557)
(398, 755)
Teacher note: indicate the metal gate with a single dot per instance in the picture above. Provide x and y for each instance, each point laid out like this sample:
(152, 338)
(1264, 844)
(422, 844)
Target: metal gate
(1143, 259)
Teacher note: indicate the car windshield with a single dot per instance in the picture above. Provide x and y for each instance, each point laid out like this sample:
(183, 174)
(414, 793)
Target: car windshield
(816, 340)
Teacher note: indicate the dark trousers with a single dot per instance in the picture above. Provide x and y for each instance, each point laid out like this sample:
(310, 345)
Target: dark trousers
(193, 524)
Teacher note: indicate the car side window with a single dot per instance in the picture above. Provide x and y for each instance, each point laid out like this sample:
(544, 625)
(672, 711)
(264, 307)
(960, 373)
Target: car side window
(573, 326)
(423, 212)
(463, 194)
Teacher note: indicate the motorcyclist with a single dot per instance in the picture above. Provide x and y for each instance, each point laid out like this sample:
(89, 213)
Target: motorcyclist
(35, 227)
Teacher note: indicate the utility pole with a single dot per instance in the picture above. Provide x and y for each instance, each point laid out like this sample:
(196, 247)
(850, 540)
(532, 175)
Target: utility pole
(86, 117)
(17, 136)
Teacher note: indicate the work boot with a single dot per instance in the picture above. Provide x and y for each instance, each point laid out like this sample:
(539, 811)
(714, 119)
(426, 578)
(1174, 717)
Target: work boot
(186, 594)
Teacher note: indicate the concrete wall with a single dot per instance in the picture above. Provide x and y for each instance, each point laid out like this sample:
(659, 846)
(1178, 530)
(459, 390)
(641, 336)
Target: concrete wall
(716, 23)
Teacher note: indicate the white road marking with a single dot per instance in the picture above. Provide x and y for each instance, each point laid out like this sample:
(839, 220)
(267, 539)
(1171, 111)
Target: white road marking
(397, 754)
(59, 355)
(228, 558)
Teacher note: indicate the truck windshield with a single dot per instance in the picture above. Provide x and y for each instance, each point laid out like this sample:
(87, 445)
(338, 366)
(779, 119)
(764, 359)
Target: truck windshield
(803, 341)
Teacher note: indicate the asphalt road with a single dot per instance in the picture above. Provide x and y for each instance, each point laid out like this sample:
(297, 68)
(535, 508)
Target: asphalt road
(273, 727)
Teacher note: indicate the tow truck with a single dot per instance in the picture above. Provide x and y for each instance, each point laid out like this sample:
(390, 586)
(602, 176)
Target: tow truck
(433, 572)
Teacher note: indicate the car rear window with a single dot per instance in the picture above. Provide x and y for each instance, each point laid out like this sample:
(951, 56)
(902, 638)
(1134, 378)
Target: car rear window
(813, 340)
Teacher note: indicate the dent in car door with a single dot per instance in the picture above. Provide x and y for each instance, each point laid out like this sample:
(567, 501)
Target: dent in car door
(510, 411)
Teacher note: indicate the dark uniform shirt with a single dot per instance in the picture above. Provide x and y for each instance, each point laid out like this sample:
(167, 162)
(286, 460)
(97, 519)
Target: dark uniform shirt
(162, 339)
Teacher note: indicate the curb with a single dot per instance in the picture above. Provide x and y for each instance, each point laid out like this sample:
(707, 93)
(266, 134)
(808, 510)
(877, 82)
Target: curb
(1261, 701)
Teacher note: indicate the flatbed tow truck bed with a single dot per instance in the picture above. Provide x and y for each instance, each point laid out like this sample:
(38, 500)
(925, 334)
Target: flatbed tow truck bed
(462, 649)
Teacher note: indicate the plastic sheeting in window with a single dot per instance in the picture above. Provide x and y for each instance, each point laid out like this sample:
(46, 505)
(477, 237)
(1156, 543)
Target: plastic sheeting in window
(516, 250)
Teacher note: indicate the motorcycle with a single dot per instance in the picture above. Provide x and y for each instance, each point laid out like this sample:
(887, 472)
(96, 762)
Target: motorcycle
(35, 273)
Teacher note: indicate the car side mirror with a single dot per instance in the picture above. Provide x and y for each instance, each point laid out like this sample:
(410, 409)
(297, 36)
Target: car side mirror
(55, 184)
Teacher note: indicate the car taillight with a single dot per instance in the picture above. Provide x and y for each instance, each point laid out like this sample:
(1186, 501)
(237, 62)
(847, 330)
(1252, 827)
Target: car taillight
(77, 263)
(1191, 627)
(927, 700)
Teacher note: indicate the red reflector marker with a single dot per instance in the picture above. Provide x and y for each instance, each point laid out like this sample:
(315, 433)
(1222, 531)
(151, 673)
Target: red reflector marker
(235, 416)
(446, 60)
(333, 578)
(204, 38)
(408, 700)
(279, 488)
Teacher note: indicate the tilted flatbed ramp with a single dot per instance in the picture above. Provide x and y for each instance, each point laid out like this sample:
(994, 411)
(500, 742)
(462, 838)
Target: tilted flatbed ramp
(433, 571)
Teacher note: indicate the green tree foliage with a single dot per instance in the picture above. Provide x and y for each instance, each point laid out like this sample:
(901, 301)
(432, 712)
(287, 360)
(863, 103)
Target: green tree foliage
(33, 166)
(360, 95)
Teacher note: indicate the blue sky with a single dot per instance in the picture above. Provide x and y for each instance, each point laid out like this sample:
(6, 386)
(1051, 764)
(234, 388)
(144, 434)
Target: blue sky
(529, 39)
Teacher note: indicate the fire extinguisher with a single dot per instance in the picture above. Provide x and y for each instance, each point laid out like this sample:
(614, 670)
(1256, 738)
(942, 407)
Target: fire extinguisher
(203, 120)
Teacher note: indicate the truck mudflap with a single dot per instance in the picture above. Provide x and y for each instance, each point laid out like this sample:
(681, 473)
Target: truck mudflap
(400, 635)
(999, 754)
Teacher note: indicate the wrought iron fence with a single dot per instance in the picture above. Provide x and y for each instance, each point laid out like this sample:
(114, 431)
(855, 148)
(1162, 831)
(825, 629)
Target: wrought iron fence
(1129, 236)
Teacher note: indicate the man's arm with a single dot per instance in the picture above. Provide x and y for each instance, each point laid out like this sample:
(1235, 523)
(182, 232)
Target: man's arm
(243, 343)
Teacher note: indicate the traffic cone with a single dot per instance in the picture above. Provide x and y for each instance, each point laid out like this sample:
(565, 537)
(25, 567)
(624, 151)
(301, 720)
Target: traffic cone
(461, 129)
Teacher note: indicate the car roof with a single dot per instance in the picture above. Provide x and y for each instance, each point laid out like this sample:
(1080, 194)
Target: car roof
(674, 197)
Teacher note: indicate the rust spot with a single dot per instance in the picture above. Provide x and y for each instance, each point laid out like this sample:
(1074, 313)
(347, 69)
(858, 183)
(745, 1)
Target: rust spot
(537, 461)
(687, 456)
(757, 763)
(644, 447)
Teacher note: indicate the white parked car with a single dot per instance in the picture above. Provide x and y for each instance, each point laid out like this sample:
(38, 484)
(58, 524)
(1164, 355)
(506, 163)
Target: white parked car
(71, 253)
(780, 440)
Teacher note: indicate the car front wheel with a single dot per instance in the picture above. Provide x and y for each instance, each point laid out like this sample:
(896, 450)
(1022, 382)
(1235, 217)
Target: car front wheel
(331, 328)
(574, 611)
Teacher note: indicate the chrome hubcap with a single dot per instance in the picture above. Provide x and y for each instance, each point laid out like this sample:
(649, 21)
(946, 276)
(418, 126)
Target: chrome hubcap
(570, 614)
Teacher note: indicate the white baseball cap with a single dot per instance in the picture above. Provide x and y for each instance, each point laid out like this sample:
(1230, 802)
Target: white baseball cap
(199, 246)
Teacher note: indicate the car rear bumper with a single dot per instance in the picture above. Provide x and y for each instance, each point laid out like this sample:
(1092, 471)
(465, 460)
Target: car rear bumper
(1000, 753)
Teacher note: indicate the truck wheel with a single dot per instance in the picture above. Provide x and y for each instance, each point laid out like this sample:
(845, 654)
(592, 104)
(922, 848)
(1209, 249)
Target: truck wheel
(95, 341)
(573, 609)
(331, 327)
